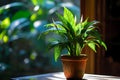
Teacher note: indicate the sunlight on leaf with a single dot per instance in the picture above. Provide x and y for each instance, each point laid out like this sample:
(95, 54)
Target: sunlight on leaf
(5, 23)
(38, 2)
(33, 17)
(34, 2)
(92, 46)
(69, 16)
(5, 39)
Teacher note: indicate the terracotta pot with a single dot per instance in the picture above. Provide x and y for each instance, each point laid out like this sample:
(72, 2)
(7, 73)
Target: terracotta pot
(74, 66)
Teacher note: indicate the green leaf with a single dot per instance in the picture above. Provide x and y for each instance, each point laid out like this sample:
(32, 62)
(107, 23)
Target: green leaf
(77, 49)
(64, 22)
(5, 23)
(25, 14)
(33, 17)
(86, 26)
(5, 38)
(38, 2)
(57, 52)
(92, 46)
(104, 45)
(95, 34)
(1, 10)
(69, 16)
(80, 41)
(66, 25)
(34, 2)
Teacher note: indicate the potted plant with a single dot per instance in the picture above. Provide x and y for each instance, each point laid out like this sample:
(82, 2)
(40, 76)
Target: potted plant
(74, 37)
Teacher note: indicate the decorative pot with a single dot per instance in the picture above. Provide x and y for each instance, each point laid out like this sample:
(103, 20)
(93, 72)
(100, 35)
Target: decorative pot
(74, 66)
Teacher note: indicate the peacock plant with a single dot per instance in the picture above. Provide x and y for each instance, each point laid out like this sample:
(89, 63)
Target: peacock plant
(74, 35)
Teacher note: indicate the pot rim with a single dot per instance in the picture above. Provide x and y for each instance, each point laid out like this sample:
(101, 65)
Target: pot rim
(68, 57)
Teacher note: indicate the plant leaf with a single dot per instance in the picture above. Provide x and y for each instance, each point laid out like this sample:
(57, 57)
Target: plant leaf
(57, 52)
(69, 16)
(77, 49)
(104, 45)
(67, 26)
(92, 46)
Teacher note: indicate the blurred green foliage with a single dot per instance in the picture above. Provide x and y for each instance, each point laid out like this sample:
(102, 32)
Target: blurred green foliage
(21, 52)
